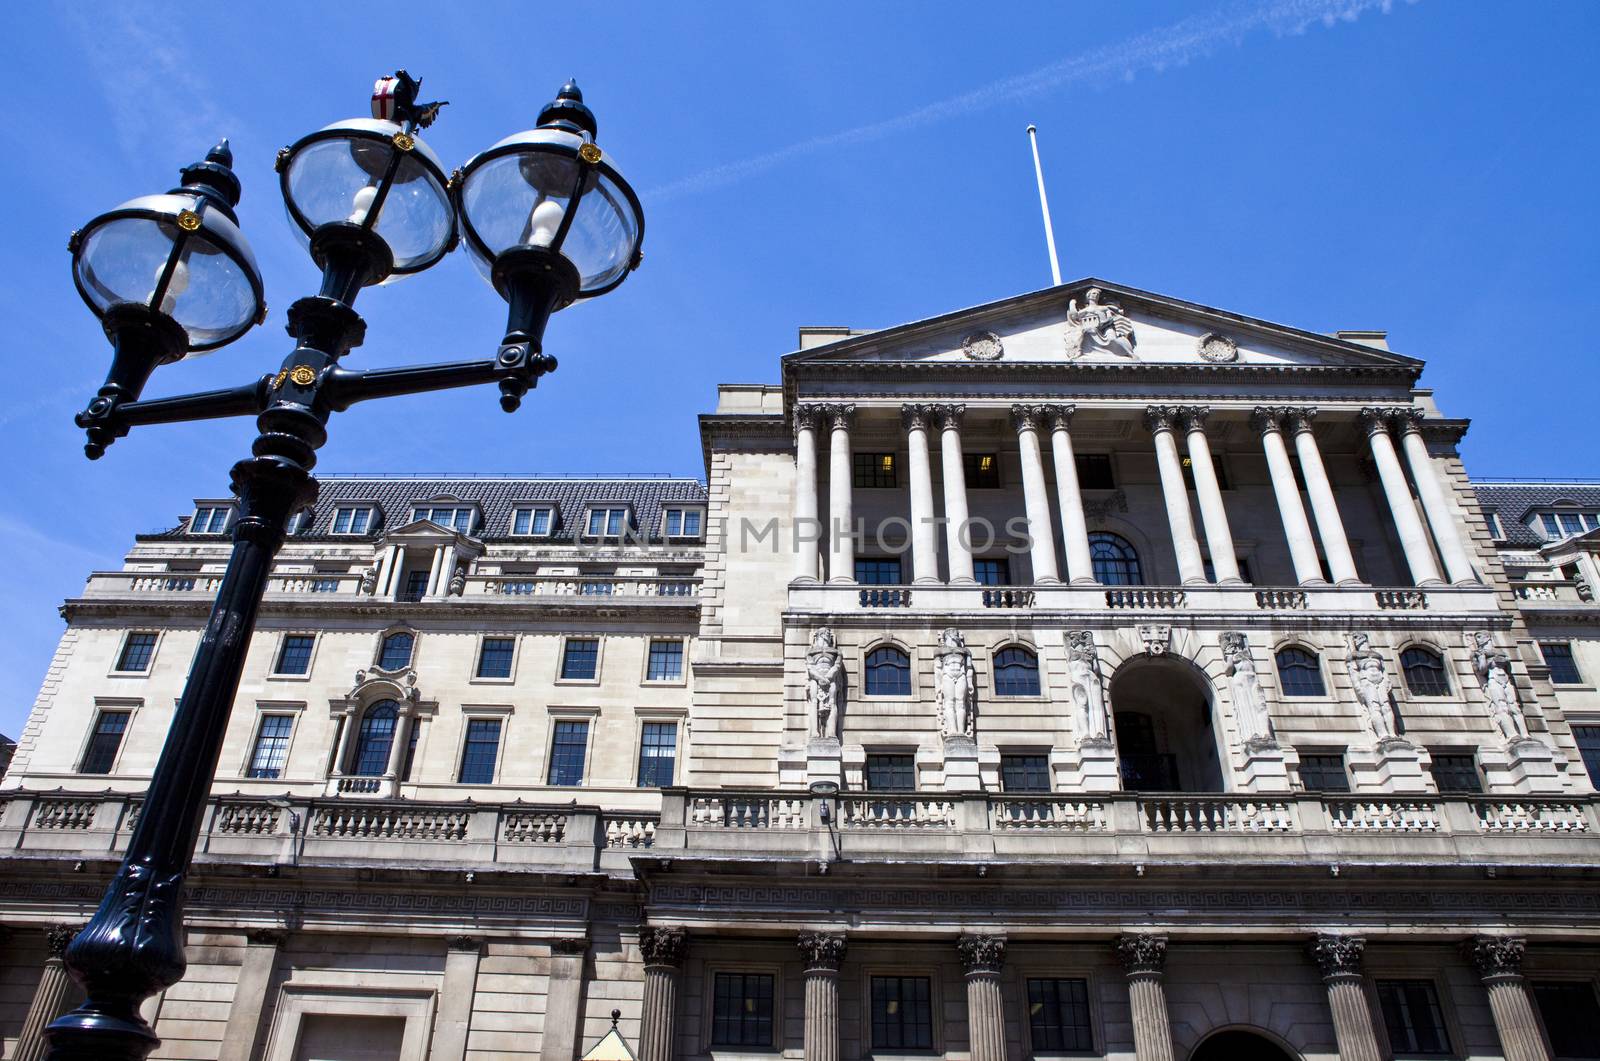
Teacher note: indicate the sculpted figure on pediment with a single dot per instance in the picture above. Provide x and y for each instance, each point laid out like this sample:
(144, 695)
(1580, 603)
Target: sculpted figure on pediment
(1098, 327)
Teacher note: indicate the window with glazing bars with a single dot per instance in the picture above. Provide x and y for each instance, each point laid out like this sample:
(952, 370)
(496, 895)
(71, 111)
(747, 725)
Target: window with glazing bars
(902, 1012)
(294, 656)
(1323, 772)
(271, 750)
(570, 743)
(683, 523)
(873, 470)
(1412, 1016)
(211, 519)
(1571, 1017)
(1016, 672)
(1424, 671)
(992, 572)
(374, 739)
(1058, 1015)
(888, 772)
(349, 519)
(658, 751)
(396, 651)
(1456, 772)
(888, 672)
(479, 751)
(494, 658)
(579, 658)
(1299, 673)
(1094, 471)
(1025, 773)
(324, 585)
(982, 470)
(101, 754)
(1115, 561)
(665, 663)
(607, 522)
(458, 519)
(137, 649)
(410, 757)
(415, 586)
(1558, 657)
(534, 521)
(741, 1010)
(1588, 738)
(878, 572)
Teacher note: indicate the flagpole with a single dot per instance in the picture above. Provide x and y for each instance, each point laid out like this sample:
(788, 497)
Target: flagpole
(1044, 206)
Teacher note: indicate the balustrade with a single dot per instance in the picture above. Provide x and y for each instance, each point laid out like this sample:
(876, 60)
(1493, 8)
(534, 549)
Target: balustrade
(1216, 814)
(246, 819)
(885, 597)
(1023, 813)
(370, 821)
(629, 831)
(533, 827)
(1008, 598)
(1382, 815)
(1530, 816)
(65, 813)
(1277, 599)
(1141, 597)
(1401, 599)
(897, 812)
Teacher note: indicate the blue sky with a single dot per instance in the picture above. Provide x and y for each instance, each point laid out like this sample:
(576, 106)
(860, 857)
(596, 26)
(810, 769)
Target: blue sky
(1421, 167)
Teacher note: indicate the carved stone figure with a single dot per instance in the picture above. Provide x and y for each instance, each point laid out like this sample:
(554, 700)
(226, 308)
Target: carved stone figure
(1099, 327)
(955, 686)
(1088, 689)
(824, 684)
(369, 579)
(1244, 685)
(1156, 638)
(458, 581)
(1493, 665)
(1374, 688)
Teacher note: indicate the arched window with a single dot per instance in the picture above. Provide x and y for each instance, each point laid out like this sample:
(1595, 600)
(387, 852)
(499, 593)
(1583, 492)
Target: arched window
(1016, 672)
(375, 738)
(1116, 562)
(396, 651)
(1424, 670)
(1299, 674)
(888, 672)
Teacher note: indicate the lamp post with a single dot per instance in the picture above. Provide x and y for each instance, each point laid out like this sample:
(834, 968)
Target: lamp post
(548, 220)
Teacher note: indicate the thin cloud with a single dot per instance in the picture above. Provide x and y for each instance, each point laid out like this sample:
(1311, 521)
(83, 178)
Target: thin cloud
(1156, 51)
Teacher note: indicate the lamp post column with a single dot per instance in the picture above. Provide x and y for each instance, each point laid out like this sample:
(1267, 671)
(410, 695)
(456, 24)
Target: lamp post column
(958, 536)
(1144, 957)
(1335, 543)
(1296, 528)
(663, 950)
(1498, 960)
(1445, 531)
(807, 531)
(823, 952)
(1339, 958)
(983, 956)
(1219, 539)
(841, 486)
(49, 998)
(1191, 570)
(924, 534)
(1069, 495)
(1035, 495)
(1413, 538)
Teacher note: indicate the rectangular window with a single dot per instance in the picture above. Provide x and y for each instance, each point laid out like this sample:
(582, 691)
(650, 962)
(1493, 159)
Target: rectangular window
(324, 585)
(1571, 523)
(982, 470)
(873, 470)
(415, 586)
(1058, 1015)
(294, 656)
(413, 728)
(101, 753)
(478, 753)
(1589, 747)
(1025, 773)
(658, 753)
(494, 658)
(878, 572)
(902, 1012)
(1094, 471)
(210, 519)
(992, 572)
(457, 519)
(1456, 772)
(891, 773)
(351, 519)
(567, 751)
(596, 588)
(665, 663)
(137, 650)
(535, 521)
(1412, 1016)
(1496, 532)
(1552, 526)
(741, 1010)
(1217, 467)
(683, 523)
(580, 658)
(1571, 1018)
(1558, 657)
(607, 522)
(271, 751)
(1323, 772)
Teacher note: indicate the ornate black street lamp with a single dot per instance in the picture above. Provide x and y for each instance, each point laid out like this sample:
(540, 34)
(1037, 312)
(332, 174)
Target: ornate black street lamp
(548, 219)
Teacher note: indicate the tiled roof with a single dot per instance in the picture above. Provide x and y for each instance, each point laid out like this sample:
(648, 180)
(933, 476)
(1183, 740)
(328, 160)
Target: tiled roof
(1512, 502)
(495, 498)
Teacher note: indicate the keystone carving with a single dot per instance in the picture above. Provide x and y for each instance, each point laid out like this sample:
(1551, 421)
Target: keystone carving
(822, 951)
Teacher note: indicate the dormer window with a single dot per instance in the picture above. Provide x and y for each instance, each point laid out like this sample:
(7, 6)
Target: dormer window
(1558, 525)
(682, 522)
(211, 519)
(1496, 532)
(607, 522)
(534, 520)
(450, 518)
(352, 519)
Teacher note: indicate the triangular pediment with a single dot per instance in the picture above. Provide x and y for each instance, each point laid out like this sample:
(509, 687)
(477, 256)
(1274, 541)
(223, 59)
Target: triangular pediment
(1095, 323)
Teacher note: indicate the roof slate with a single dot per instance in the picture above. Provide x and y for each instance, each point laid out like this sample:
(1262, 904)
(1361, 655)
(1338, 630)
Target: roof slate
(1513, 501)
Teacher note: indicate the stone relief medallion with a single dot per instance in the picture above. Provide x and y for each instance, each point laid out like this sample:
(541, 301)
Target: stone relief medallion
(1218, 348)
(982, 346)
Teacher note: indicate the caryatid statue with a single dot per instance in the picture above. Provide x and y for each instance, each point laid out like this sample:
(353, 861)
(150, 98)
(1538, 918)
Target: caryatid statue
(1244, 685)
(1493, 665)
(824, 684)
(1374, 688)
(1099, 327)
(955, 685)
(1088, 689)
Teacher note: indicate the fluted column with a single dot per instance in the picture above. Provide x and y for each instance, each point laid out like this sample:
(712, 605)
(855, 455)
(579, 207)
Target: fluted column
(1446, 532)
(1074, 528)
(50, 998)
(1296, 528)
(958, 537)
(1339, 958)
(924, 531)
(823, 952)
(1161, 419)
(1413, 539)
(982, 957)
(1498, 960)
(1144, 957)
(807, 531)
(1035, 495)
(1214, 517)
(663, 950)
(1330, 527)
(841, 495)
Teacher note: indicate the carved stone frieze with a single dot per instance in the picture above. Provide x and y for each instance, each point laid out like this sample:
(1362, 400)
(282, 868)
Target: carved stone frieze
(982, 954)
(1495, 955)
(1143, 952)
(1337, 955)
(663, 946)
(822, 951)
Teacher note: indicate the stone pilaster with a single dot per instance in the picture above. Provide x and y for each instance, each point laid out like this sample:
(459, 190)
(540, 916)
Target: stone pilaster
(453, 1020)
(564, 1000)
(983, 957)
(823, 952)
(663, 950)
(1498, 960)
(1339, 958)
(1144, 959)
(50, 998)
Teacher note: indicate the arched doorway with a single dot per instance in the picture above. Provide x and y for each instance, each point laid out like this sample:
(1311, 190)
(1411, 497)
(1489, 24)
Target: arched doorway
(1165, 740)
(1236, 1044)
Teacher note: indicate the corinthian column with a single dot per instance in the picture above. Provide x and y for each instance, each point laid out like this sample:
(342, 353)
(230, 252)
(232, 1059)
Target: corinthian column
(663, 950)
(841, 489)
(1335, 543)
(1160, 419)
(958, 538)
(982, 956)
(1498, 960)
(1074, 528)
(1035, 495)
(1445, 530)
(807, 531)
(1296, 528)
(1413, 539)
(1144, 957)
(924, 532)
(1339, 958)
(49, 998)
(1219, 539)
(822, 953)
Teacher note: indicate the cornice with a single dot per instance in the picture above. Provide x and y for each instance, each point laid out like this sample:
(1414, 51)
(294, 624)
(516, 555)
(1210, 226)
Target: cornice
(687, 608)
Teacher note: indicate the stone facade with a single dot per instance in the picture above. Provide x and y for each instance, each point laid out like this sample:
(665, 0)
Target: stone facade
(1175, 698)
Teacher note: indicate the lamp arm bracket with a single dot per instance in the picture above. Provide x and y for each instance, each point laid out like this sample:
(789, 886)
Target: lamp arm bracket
(108, 419)
(515, 367)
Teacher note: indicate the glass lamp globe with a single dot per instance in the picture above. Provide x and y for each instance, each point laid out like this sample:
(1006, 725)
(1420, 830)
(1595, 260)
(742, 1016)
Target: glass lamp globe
(176, 264)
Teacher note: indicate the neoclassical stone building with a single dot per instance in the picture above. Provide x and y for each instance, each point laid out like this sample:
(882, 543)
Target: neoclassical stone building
(1086, 674)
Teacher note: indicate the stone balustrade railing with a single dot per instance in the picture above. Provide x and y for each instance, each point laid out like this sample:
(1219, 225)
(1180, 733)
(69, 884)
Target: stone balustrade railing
(186, 585)
(1281, 599)
(580, 586)
(1142, 597)
(1552, 592)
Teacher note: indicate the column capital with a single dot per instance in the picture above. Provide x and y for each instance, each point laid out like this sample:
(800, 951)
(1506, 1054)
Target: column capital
(1059, 415)
(1142, 952)
(267, 937)
(663, 946)
(806, 415)
(570, 946)
(1028, 417)
(1375, 419)
(1300, 417)
(1408, 419)
(1193, 417)
(822, 951)
(1160, 418)
(914, 415)
(947, 416)
(1265, 418)
(470, 944)
(57, 937)
(982, 954)
(1495, 956)
(837, 415)
(1337, 955)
